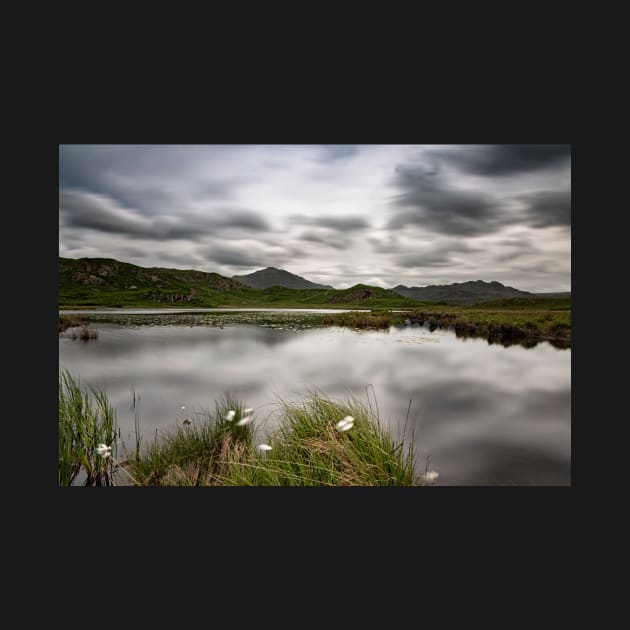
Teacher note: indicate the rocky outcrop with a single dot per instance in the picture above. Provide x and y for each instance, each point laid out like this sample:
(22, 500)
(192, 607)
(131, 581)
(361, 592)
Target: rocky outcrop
(86, 279)
(171, 298)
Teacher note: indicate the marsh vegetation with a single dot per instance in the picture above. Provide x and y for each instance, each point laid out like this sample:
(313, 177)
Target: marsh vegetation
(316, 442)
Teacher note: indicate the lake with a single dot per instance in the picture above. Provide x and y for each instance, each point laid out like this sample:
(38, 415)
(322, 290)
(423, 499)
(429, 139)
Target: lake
(485, 414)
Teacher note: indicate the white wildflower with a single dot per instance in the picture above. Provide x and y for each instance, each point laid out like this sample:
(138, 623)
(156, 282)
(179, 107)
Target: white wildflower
(346, 424)
(263, 447)
(245, 420)
(230, 415)
(429, 476)
(103, 450)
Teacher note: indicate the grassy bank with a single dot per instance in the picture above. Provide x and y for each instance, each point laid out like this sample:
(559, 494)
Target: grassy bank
(307, 448)
(502, 321)
(525, 322)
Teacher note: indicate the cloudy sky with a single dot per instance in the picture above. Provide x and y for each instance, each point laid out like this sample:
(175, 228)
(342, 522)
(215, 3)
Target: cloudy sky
(336, 214)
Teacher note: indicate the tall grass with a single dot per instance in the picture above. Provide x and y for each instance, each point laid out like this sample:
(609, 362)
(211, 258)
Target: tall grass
(85, 333)
(306, 449)
(86, 419)
(196, 454)
(69, 321)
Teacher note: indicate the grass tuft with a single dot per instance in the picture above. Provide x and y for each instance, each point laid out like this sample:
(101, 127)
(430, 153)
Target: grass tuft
(306, 449)
(86, 419)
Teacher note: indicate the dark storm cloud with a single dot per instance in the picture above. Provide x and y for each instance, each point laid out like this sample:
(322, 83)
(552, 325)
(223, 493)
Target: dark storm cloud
(120, 172)
(548, 208)
(508, 159)
(330, 240)
(341, 224)
(430, 201)
(98, 212)
(94, 211)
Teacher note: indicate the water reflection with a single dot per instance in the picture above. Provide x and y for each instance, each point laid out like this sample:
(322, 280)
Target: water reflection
(485, 413)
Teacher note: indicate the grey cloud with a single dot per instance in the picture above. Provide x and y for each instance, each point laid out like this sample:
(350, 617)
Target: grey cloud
(248, 255)
(244, 219)
(390, 245)
(547, 208)
(505, 159)
(440, 255)
(342, 224)
(337, 152)
(80, 209)
(85, 210)
(120, 172)
(330, 240)
(179, 259)
(516, 248)
(424, 260)
(134, 252)
(429, 201)
(232, 255)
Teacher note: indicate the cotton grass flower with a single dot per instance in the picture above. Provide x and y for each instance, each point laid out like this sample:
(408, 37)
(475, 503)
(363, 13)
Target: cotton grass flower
(246, 418)
(230, 415)
(345, 425)
(263, 447)
(429, 476)
(103, 450)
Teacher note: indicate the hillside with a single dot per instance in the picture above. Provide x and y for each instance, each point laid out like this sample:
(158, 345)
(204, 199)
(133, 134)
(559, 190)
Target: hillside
(105, 282)
(461, 292)
(109, 282)
(270, 277)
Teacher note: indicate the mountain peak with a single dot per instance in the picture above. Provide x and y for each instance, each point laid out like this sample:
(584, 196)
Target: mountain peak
(271, 276)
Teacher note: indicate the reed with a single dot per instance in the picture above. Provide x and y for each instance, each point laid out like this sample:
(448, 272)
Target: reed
(86, 420)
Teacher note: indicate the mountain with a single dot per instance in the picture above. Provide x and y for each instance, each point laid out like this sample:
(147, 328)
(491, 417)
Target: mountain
(270, 277)
(105, 282)
(461, 292)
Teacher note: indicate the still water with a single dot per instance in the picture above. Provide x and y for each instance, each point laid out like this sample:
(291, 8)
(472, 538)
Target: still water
(487, 415)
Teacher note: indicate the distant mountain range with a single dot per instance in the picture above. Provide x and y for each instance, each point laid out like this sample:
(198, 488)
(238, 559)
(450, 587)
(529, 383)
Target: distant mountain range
(469, 292)
(461, 292)
(272, 277)
(93, 282)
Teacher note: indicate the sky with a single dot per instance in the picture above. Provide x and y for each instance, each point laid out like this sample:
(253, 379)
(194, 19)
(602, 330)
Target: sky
(336, 214)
